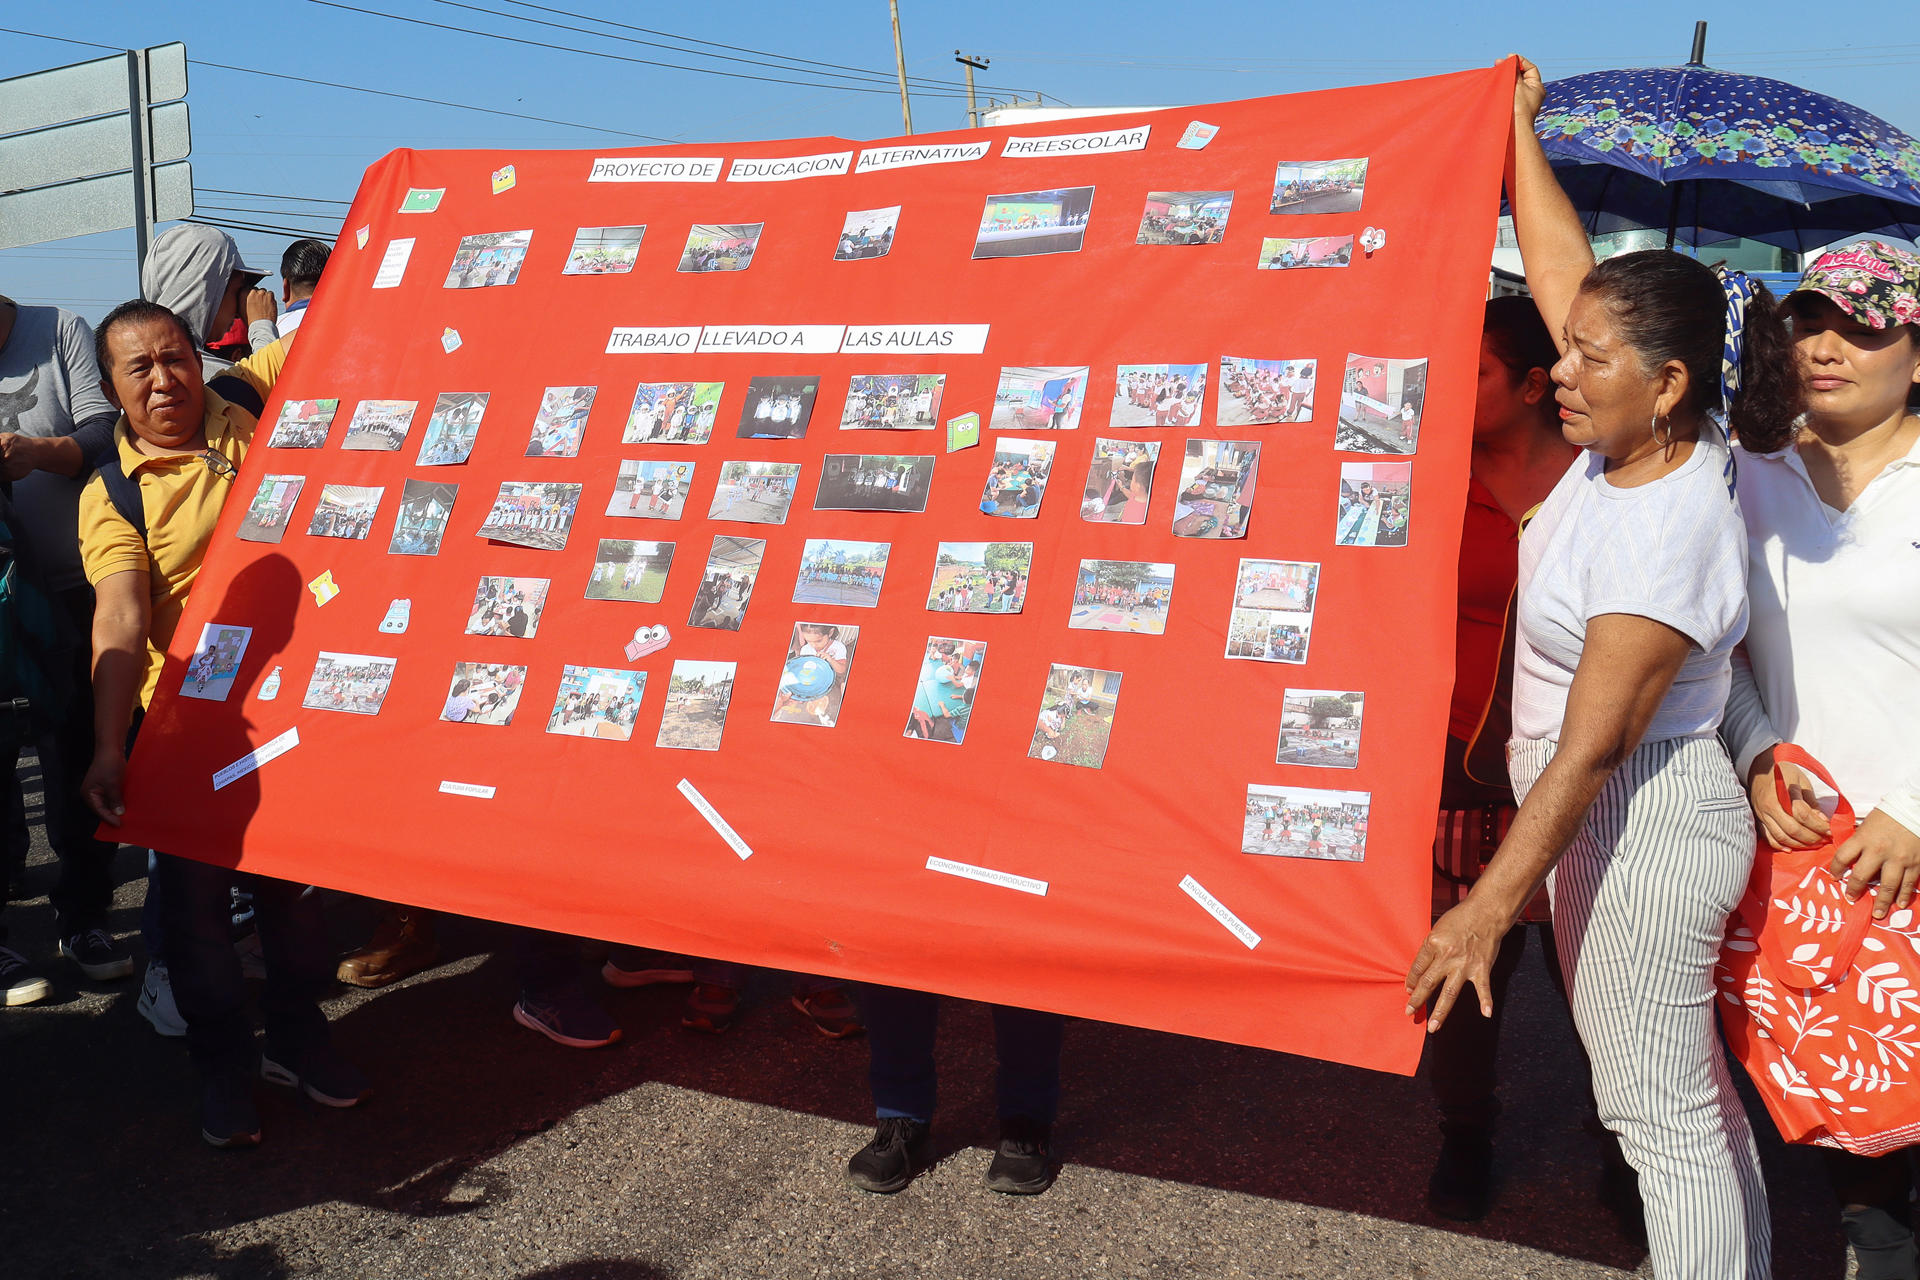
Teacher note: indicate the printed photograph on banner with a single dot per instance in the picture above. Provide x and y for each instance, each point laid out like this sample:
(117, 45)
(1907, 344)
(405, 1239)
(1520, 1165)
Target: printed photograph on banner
(1254, 392)
(814, 679)
(980, 577)
(754, 492)
(345, 511)
(652, 490)
(672, 413)
(352, 682)
(1280, 254)
(1380, 403)
(532, 513)
(1158, 395)
(1272, 617)
(1122, 595)
(720, 602)
(1303, 822)
(1017, 480)
(266, 519)
(833, 571)
(697, 697)
(1262, 635)
(720, 247)
(561, 422)
(488, 259)
(777, 408)
(603, 251)
(1076, 716)
(1321, 727)
(597, 702)
(624, 570)
(867, 233)
(943, 694)
(452, 428)
(1029, 222)
(1185, 217)
(215, 662)
(379, 424)
(303, 424)
(508, 607)
(874, 482)
(1216, 488)
(483, 693)
(1031, 398)
(893, 402)
(1319, 186)
(1120, 481)
(422, 522)
(1376, 504)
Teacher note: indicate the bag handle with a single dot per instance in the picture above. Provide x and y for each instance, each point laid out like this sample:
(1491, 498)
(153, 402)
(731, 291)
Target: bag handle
(1840, 830)
(1843, 822)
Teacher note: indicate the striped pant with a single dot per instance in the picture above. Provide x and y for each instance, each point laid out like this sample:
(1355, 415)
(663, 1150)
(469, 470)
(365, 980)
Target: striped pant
(1640, 903)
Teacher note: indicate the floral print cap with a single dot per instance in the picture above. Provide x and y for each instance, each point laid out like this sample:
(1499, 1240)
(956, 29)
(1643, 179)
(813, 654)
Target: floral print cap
(1875, 282)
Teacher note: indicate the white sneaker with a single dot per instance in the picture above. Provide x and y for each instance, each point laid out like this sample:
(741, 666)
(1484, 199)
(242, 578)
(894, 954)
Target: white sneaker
(19, 984)
(156, 1002)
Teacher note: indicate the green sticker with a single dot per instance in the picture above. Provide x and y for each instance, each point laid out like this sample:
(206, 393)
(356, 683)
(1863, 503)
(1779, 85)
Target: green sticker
(422, 199)
(963, 432)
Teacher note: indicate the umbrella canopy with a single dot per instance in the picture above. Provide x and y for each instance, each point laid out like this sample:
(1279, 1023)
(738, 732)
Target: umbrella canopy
(1727, 156)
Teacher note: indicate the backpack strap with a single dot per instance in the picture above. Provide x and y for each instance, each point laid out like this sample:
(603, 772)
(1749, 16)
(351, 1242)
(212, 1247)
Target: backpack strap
(236, 390)
(124, 492)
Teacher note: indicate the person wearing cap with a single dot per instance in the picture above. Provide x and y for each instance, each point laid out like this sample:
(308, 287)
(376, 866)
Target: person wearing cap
(195, 271)
(1832, 659)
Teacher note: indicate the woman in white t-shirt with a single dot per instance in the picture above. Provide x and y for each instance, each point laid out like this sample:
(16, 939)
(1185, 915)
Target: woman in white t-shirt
(1632, 596)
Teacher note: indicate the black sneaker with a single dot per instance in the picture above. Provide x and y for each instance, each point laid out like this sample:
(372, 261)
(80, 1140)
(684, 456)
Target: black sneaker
(1461, 1188)
(320, 1073)
(19, 984)
(900, 1149)
(1883, 1247)
(97, 954)
(227, 1115)
(1023, 1162)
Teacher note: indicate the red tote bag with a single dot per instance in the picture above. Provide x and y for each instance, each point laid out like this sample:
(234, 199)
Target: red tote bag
(1820, 1001)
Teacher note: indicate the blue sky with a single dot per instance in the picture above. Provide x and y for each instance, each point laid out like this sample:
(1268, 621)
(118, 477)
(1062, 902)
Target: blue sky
(278, 138)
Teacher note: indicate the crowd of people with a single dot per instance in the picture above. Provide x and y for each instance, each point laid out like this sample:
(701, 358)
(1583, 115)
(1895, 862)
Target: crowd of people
(672, 413)
(979, 591)
(1172, 398)
(1283, 393)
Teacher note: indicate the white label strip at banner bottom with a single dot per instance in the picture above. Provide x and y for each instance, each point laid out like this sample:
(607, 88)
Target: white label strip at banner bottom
(247, 763)
(714, 820)
(986, 875)
(478, 790)
(1215, 908)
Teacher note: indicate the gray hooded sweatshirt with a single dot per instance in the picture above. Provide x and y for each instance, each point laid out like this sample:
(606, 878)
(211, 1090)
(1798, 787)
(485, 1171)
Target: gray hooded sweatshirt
(188, 270)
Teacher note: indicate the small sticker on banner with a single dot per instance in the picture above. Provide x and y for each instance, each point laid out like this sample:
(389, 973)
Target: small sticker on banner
(963, 432)
(1197, 136)
(399, 613)
(477, 790)
(1215, 908)
(714, 820)
(422, 199)
(450, 340)
(360, 237)
(393, 263)
(986, 875)
(324, 588)
(1372, 240)
(266, 751)
(503, 179)
(646, 640)
(270, 687)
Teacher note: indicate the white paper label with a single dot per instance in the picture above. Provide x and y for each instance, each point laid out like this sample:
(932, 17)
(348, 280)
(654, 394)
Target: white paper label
(986, 875)
(479, 791)
(905, 157)
(624, 341)
(1078, 144)
(911, 339)
(393, 263)
(1213, 907)
(247, 763)
(656, 169)
(787, 168)
(714, 820)
(800, 339)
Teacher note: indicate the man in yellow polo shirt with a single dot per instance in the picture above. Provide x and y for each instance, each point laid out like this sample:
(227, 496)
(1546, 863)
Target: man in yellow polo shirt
(145, 521)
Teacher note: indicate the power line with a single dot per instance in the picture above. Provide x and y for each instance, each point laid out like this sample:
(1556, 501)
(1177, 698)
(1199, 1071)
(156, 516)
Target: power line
(262, 195)
(285, 233)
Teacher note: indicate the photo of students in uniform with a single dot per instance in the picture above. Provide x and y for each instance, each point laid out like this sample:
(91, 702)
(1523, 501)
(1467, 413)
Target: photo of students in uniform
(345, 511)
(1030, 222)
(980, 577)
(650, 490)
(266, 518)
(1376, 504)
(1031, 398)
(1319, 186)
(814, 680)
(943, 693)
(603, 251)
(1017, 480)
(379, 424)
(1158, 395)
(1380, 403)
(672, 413)
(1302, 822)
(1321, 727)
(1282, 254)
(508, 607)
(216, 662)
(422, 522)
(867, 233)
(561, 422)
(721, 247)
(532, 514)
(874, 482)
(720, 602)
(352, 682)
(489, 259)
(1216, 488)
(597, 702)
(833, 571)
(625, 570)
(1272, 617)
(303, 424)
(1120, 481)
(1264, 636)
(893, 402)
(1262, 391)
(1122, 595)
(777, 408)
(754, 492)
(698, 694)
(452, 428)
(1076, 716)
(483, 693)
(1185, 217)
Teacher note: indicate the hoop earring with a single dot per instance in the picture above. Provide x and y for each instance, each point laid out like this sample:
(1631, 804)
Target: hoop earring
(1658, 422)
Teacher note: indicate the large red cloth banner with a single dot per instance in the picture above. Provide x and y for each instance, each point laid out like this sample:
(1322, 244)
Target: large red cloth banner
(1132, 710)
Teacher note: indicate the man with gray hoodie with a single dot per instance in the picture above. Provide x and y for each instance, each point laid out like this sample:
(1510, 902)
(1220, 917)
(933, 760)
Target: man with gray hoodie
(195, 272)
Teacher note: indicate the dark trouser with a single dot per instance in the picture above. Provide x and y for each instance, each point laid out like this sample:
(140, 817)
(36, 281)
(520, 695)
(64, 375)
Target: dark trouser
(548, 963)
(900, 1032)
(1878, 1182)
(733, 976)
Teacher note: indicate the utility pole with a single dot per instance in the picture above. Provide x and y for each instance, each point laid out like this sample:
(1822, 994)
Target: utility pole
(972, 65)
(141, 145)
(900, 66)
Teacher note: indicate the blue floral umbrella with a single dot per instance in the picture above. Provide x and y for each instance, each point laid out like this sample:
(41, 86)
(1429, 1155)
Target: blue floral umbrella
(1726, 156)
